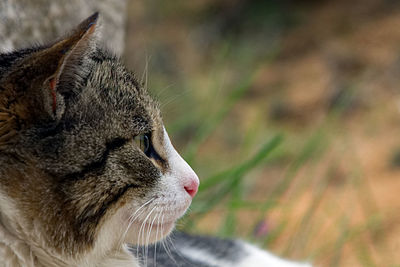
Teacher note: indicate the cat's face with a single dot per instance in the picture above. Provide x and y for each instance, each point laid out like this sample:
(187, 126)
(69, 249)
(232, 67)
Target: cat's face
(86, 162)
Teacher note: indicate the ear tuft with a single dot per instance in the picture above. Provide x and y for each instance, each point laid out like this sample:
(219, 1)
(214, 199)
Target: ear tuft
(89, 22)
(86, 27)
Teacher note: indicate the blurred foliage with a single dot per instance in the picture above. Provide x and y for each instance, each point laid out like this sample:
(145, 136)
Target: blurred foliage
(288, 112)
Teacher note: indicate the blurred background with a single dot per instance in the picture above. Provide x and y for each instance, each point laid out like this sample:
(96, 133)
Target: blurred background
(289, 111)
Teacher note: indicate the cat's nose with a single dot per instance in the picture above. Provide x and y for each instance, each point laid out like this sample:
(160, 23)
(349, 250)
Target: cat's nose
(192, 185)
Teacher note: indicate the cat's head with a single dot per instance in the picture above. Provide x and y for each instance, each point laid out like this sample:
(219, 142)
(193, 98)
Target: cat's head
(85, 161)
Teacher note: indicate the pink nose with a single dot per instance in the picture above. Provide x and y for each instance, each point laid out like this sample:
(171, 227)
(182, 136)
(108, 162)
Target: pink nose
(192, 187)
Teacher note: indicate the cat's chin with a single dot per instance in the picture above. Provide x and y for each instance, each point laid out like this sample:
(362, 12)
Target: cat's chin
(151, 220)
(144, 233)
(152, 227)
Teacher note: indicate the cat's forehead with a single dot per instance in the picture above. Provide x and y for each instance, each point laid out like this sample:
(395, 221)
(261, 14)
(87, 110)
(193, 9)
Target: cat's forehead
(116, 90)
(111, 78)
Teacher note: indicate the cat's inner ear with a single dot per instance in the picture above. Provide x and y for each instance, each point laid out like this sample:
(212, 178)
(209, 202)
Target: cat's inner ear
(43, 79)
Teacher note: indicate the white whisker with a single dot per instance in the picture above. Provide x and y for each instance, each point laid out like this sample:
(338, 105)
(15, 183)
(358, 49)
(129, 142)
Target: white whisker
(148, 237)
(155, 244)
(132, 218)
(162, 91)
(169, 239)
(143, 228)
(145, 77)
(166, 245)
(140, 231)
(174, 98)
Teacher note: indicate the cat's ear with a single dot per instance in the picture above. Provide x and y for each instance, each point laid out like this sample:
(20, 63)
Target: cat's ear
(39, 83)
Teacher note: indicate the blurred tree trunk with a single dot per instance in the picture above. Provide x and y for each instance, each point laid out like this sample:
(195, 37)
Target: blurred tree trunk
(26, 22)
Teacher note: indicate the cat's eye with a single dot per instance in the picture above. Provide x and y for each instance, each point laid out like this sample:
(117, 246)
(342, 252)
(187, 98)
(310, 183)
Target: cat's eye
(143, 142)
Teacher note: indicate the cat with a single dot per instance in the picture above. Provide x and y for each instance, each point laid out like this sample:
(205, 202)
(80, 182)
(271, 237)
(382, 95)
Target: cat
(87, 167)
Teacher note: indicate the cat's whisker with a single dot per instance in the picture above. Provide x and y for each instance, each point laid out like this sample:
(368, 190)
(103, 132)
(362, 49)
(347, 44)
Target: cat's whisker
(137, 216)
(138, 240)
(155, 244)
(169, 238)
(126, 231)
(148, 237)
(134, 216)
(146, 203)
(145, 76)
(162, 91)
(174, 98)
(166, 245)
(167, 250)
(143, 228)
(146, 244)
(176, 249)
(171, 245)
(141, 207)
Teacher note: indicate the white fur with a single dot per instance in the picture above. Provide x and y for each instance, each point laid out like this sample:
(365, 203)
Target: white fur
(255, 257)
(199, 255)
(259, 258)
(179, 169)
(179, 175)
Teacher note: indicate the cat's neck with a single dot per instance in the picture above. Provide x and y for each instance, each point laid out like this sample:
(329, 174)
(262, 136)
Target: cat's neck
(16, 252)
